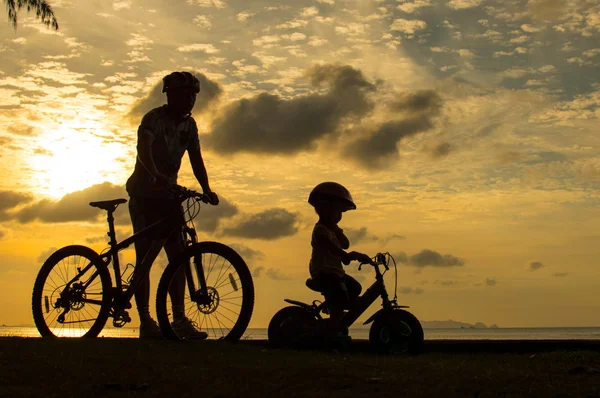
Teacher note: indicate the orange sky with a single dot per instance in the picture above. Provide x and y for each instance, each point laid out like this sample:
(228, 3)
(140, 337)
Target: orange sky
(465, 129)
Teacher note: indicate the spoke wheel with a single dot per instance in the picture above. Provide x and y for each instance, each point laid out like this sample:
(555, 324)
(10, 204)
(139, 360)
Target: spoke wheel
(67, 302)
(225, 311)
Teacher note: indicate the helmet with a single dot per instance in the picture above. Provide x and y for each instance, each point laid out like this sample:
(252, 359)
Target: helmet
(180, 80)
(331, 191)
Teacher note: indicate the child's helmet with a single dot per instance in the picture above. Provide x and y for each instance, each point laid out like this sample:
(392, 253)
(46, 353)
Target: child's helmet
(331, 191)
(180, 80)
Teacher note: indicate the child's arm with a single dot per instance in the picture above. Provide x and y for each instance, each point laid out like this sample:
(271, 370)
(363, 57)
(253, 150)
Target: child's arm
(345, 256)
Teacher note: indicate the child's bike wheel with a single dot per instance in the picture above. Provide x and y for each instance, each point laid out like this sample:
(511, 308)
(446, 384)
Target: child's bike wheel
(291, 326)
(79, 309)
(226, 312)
(396, 331)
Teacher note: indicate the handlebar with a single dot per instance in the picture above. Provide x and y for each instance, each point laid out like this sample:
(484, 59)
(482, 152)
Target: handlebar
(378, 259)
(182, 193)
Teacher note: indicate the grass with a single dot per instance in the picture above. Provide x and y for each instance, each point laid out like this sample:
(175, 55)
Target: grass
(139, 368)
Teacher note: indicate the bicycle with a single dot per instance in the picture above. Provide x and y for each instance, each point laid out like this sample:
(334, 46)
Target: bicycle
(393, 330)
(73, 294)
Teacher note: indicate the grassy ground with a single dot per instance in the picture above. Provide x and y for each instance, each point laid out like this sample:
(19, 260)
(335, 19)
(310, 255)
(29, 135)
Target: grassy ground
(131, 367)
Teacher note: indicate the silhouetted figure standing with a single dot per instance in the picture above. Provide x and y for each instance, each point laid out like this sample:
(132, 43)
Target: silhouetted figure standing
(164, 135)
(329, 243)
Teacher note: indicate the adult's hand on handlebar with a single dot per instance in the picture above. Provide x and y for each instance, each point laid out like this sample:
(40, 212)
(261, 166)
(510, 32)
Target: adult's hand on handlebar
(213, 198)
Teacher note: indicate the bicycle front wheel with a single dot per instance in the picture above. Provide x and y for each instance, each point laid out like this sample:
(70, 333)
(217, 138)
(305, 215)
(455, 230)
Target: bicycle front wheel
(71, 294)
(223, 310)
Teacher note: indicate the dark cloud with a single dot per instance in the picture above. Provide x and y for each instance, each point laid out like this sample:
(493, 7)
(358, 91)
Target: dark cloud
(427, 101)
(358, 235)
(546, 157)
(378, 146)
(276, 274)
(534, 265)
(257, 271)
(210, 217)
(71, 207)
(560, 274)
(2, 234)
(10, 200)
(269, 225)
(268, 123)
(271, 273)
(400, 257)
(438, 151)
(362, 234)
(432, 258)
(210, 91)
(247, 253)
(490, 282)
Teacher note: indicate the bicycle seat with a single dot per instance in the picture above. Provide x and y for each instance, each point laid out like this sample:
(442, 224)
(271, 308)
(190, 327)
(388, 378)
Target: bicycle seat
(108, 204)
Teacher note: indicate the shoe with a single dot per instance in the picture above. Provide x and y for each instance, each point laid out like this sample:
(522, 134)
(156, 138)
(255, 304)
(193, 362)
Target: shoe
(149, 329)
(188, 329)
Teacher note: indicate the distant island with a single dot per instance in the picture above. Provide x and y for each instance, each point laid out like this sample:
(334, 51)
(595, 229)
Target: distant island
(450, 324)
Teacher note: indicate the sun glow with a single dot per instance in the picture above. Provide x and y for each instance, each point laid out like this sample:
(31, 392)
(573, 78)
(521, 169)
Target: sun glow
(74, 157)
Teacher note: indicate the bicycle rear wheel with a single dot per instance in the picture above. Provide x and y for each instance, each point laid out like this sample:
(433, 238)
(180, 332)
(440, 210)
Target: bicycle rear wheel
(225, 313)
(69, 298)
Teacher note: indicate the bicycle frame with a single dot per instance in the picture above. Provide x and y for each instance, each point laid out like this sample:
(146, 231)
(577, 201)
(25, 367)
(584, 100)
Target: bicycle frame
(367, 298)
(121, 298)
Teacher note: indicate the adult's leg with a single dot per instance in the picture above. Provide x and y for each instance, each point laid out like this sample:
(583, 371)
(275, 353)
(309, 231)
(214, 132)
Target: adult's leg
(146, 251)
(174, 248)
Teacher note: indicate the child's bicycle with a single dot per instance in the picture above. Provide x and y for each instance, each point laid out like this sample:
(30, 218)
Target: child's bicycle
(73, 294)
(393, 329)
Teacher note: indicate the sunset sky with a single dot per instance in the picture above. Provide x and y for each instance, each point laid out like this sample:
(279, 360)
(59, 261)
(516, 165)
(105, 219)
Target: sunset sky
(466, 130)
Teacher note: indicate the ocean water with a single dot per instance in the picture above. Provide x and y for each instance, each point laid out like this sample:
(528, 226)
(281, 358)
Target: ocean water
(555, 333)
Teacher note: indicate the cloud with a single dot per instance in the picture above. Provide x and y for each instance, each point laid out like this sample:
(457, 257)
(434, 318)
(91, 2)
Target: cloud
(271, 273)
(210, 217)
(247, 253)
(362, 234)
(210, 91)
(43, 256)
(269, 225)
(268, 123)
(408, 26)
(462, 4)
(276, 274)
(534, 266)
(203, 47)
(379, 145)
(10, 200)
(560, 274)
(490, 282)
(71, 207)
(439, 150)
(432, 258)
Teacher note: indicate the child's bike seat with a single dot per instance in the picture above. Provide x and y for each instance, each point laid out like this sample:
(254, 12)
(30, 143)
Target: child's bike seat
(314, 284)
